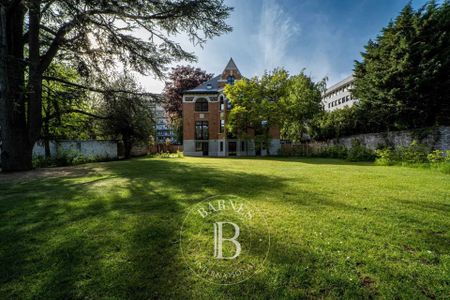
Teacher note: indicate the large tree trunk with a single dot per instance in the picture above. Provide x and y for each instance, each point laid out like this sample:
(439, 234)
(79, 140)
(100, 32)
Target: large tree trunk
(16, 145)
(127, 145)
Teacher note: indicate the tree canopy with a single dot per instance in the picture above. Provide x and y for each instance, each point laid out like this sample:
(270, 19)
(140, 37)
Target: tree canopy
(127, 117)
(95, 37)
(276, 100)
(403, 80)
(300, 105)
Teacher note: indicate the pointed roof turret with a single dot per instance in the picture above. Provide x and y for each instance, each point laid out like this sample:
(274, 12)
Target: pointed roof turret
(231, 66)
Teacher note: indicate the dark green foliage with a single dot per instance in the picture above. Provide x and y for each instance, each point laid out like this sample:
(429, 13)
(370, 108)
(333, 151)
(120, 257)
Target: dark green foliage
(128, 117)
(301, 103)
(66, 110)
(357, 152)
(360, 153)
(334, 151)
(403, 81)
(91, 36)
(66, 158)
(414, 155)
(337, 123)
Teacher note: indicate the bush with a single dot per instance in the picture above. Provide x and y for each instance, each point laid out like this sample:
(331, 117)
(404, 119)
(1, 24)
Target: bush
(415, 153)
(178, 154)
(66, 158)
(334, 151)
(437, 156)
(386, 157)
(359, 153)
(42, 162)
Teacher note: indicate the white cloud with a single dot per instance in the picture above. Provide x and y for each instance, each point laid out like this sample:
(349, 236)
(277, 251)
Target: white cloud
(276, 32)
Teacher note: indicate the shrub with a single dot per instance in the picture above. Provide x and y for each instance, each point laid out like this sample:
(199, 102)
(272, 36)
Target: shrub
(334, 151)
(386, 157)
(437, 156)
(415, 153)
(167, 154)
(359, 153)
(42, 162)
(66, 158)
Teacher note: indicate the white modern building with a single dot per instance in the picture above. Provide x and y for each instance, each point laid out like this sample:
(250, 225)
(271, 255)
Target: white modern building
(339, 95)
(163, 129)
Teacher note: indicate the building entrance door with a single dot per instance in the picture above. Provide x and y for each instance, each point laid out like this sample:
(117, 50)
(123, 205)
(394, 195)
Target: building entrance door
(232, 147)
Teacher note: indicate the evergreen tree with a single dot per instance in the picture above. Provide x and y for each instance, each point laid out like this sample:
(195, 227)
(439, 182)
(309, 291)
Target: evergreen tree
(403, 80)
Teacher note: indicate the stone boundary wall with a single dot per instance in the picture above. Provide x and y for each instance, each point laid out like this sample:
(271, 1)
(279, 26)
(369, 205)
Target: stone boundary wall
(90, 148)
(435, 138)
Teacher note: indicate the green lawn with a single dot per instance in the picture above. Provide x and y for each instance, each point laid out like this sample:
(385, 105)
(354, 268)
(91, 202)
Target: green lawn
(338, 229)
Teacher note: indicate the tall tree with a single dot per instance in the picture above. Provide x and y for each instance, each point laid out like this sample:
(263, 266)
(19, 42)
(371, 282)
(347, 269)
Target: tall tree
(255, 106)
(93, 36)
(300, 104)
(127, 117)
(181, 78)
(403, 80)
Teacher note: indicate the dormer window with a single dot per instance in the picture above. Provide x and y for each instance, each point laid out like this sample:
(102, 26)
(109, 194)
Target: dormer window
(208, 86)
(230, 79)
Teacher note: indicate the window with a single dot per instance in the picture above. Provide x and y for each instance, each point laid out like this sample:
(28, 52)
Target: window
(222, 126)
(201, 130)
(347, 98)
(222, 103)
(329, 105)
(230, 79)
(242, 146)
(198, 146)
(201, 105)
(221, 146)
(229, 105)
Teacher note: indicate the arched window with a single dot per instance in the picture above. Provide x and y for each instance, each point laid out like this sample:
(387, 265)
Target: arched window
(201, 104)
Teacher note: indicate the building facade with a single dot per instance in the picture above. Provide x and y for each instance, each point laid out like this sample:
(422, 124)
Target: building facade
(339, 95)
(163, 130)
(205, 111)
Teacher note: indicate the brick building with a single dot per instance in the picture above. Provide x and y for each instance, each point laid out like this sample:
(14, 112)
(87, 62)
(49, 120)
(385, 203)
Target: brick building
(204, 117)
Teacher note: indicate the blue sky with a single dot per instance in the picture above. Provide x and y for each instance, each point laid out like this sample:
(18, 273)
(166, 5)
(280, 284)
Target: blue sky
(322, 36)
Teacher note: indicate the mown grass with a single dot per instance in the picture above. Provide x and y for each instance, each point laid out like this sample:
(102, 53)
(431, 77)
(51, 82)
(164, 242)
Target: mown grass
(338, 229)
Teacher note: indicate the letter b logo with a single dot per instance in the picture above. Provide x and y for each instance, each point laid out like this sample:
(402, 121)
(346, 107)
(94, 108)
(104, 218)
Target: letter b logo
(219, 239)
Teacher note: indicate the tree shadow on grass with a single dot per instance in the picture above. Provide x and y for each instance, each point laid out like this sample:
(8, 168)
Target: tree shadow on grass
(112, 235)
(115, 234)
(317, 161)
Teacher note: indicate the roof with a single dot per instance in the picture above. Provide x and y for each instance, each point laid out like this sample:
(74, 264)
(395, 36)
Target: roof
(231, 65)
(212, 85)
(204, 87)
(340, 84)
